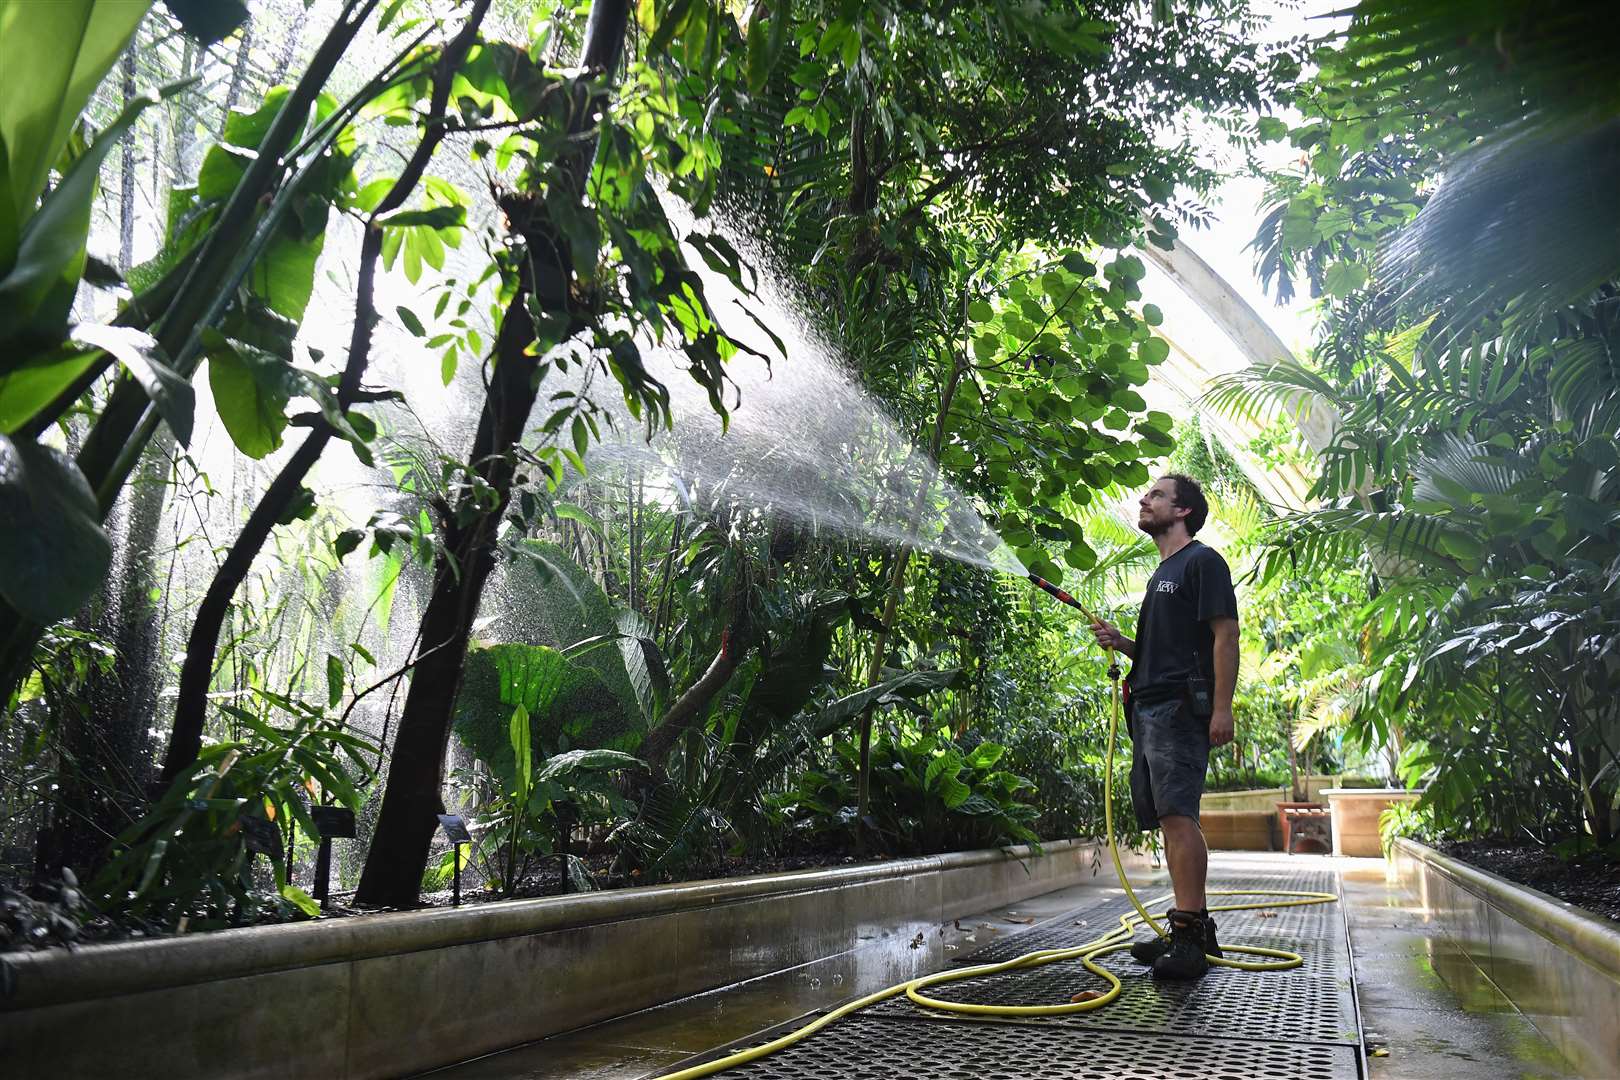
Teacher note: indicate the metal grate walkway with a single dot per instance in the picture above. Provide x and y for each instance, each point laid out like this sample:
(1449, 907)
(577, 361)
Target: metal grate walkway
(1231, 1025)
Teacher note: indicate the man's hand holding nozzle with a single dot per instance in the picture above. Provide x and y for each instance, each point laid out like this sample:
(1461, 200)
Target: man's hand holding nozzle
(1108, 635)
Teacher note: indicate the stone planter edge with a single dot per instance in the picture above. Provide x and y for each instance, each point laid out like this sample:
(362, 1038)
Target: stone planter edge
(1589, 937)
(94, 971)
(1555, 963)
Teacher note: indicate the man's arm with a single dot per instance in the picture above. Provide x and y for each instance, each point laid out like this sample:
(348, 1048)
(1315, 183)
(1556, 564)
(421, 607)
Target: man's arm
(1226, 669)
(1109, 637)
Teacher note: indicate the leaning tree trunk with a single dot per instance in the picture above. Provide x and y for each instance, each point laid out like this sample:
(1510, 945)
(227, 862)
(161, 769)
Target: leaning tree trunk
(196, 674)
(413, 795)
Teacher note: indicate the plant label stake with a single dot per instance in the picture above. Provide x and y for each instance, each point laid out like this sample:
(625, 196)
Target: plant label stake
(263, 838)
(455, 831)
(331, 822)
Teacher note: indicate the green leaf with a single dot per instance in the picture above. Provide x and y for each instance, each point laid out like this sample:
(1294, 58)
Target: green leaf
(985, 755)
(1153, 351)
(434, 217)
(767, 34)
(578, 761)
(38, 381)
(332, 412)
(522, 753)
(412, 323)
(208, 20)
(1344, 278)
(1271, 129)
(980, 311)
(347, 541)
(147, 363)
(54, 553)
(251, 390)
(952, 792)
(41, 274)
(53, 55)
(947, 764)
(222, 169)
(334, 680)
(284, 275)
(292, 893)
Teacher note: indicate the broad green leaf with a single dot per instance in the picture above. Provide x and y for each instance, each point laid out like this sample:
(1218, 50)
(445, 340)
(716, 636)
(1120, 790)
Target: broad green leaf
(412, 323)
(147, 363)
(54, 553)
(947, 764)
(41, 273)
(251, 390)
(1344, 278)
(1155, 350)
(53, 55)
(222, 169)
(284, 275)
(434, 217)
(37, 381)
(578, 761)
(985, 755)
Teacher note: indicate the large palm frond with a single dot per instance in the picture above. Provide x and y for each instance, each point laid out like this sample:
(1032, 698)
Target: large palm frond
(1518, 230)
(1524, 222)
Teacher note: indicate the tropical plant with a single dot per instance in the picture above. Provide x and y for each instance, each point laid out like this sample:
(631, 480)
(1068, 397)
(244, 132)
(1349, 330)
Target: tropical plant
(190, 860)
(931, 796)
(1472, 466)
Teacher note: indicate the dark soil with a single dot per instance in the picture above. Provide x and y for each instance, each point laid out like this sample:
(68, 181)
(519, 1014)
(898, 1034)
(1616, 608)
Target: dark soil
(1590, 880)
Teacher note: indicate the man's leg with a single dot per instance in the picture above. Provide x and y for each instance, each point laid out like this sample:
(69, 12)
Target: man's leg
(1188, 859)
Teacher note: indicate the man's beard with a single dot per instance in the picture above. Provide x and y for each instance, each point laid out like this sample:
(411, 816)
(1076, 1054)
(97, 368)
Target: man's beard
(1153, 526)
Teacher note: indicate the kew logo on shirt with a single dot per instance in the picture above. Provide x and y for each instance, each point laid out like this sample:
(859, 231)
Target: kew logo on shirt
(1168, 586)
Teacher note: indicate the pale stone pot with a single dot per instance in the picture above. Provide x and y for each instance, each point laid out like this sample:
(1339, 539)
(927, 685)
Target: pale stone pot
(1355, 817)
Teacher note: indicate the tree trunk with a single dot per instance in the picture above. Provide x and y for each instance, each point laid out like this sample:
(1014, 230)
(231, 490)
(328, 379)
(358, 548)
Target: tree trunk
(185, 739)
(691, 706)
(126, 174)
(244, 54)
(405, 826)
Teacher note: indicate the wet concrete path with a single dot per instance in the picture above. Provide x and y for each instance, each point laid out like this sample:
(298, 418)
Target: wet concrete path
(1424, 1004)
(1301, 1024)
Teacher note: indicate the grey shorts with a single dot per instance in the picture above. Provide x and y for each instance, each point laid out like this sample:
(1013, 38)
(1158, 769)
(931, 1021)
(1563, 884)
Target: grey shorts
(1169, 756)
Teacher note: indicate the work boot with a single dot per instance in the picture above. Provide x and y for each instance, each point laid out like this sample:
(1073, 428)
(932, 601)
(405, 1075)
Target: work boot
(1146, 952)
(1185, 958)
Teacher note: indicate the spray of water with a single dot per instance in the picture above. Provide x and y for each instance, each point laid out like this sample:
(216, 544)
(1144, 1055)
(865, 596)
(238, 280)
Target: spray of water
(805, 442)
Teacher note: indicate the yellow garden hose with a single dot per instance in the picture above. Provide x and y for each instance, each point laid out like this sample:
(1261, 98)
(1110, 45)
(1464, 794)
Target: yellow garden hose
(1087, 954)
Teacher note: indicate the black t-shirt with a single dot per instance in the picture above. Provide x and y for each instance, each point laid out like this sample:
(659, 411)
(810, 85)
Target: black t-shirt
(1173, 633)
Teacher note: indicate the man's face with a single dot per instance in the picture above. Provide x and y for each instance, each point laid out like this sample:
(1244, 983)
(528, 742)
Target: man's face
(1157, 509)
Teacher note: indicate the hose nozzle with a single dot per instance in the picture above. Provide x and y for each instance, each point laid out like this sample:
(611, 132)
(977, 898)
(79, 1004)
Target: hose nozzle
(1059, 594)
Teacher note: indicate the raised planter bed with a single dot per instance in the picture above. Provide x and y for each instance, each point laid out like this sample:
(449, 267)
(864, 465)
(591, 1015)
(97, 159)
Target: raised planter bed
(1558, 964)
(1238, 830)
(386, 995)
(1246, 799)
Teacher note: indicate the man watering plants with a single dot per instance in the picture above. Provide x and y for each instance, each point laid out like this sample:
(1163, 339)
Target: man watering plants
(1184, 662)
